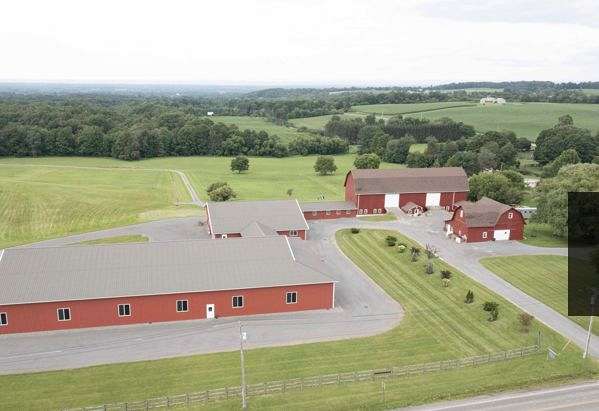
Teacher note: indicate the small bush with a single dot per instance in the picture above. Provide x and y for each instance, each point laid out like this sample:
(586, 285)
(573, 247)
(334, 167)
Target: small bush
(525, 321)
(490, 306)
(391, 240)
(415, 253)
(445, 274)
(469, 297)
(429, 267)
(355, 230)
(401, 248)
(445, 282)
(494, 314)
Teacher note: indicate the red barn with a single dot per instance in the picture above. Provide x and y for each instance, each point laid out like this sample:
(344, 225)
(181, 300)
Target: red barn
(485, 220)
(256, 219)
(57, 288)
(326, 210)
(374, 190)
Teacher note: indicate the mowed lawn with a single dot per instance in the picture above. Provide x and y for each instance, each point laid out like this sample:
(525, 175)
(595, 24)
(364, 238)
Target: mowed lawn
(544, 277)
(260, 124)
(406, 108)
(525, 119)
(38, 203)
(437, 325)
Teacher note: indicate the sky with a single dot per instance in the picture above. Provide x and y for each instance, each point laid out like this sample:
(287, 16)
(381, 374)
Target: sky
(299, 42)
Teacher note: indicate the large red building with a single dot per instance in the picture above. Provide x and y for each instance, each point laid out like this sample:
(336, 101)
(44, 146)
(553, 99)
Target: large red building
(256, 219)
(58, 288)
(485, 220)
(328, 210)
(374, 191)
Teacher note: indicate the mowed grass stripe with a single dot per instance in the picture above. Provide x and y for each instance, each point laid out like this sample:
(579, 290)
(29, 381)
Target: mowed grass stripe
(544, 277)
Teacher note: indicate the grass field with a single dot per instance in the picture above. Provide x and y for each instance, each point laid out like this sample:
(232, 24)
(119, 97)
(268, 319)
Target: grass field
(590, 91)
(418, 148)
(259, 123)
(525, 119)
(38, 203)
(318, 122)
(407, 108)
(543, 277)
(135, 238)
(540, 235)
(437, 325)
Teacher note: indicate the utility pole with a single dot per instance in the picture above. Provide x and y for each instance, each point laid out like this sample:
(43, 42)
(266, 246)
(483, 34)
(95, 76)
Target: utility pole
(586, 348)
(242, 337)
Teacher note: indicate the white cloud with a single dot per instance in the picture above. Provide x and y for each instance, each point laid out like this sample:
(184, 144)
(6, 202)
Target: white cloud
(295, 42)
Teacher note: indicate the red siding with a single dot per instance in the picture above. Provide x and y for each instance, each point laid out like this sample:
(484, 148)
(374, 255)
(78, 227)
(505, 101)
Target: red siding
(448, 199)
(515, 224)
(160, 308)
(322, 215)
(300, 233)
(350, 192)
(368, 202)
(416, 198)
(475, 234)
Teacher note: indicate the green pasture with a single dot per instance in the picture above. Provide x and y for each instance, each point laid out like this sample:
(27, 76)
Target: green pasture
(407, 108)
(260, 123)
(541, 235)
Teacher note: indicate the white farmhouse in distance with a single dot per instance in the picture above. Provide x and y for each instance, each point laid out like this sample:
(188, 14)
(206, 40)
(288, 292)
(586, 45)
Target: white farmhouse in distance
(210, 113)
(487, 101)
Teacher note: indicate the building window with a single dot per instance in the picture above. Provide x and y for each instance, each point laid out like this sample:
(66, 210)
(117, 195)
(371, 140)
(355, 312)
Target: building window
(328, 212)
(223, 236)
(124, 310)
(510, 215)
(347, 211)
(292, 233)
(64, 314)
(3, 319)
(238, 301)
(374, 211)
(484, 234)
(337, 212)
(461, 213)
(291, 297)
(315, 213)
(182, 306)
(365, 211)
(360, 211)
(380, 211)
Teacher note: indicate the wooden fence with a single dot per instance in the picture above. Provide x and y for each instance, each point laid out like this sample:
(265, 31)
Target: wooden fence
(299, 384)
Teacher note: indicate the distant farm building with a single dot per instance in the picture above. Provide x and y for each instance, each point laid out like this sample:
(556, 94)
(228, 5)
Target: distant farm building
(325, 210)
(210, 113)
(485, 220)
(256, 219)
(58, 288)
(374, 191)
(488, 101)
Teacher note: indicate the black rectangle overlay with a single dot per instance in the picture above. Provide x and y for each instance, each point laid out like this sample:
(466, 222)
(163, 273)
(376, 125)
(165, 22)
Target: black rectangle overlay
(583, 254)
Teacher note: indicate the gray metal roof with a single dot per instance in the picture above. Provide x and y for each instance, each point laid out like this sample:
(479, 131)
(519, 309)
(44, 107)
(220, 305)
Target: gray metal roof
(256, 229)
(327, 206)
(30, 275)
(410, 180)
(234, 216)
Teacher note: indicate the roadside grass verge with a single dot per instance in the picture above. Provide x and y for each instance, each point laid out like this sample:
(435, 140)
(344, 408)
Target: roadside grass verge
(437, 326)
(544, 277)
(540, 235)
(135, 238)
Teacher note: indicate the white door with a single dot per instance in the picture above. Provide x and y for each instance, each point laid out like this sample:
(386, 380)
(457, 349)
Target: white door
(500, 235)
(391, 200)
(433, 199)
(209, 310)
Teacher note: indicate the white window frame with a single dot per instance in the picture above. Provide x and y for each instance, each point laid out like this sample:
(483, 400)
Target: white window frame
(177, 306)
(64, 310)
(338, 212)
(118, 310)
(314, 213)
(287, 294)
(365, 211)
(347, 211)
(5, 323)
(293, 233)
(461, 213)
(328, 212)
(360, 211)
(510, 215)
(380, 211)
(484, 234)
(233, 301)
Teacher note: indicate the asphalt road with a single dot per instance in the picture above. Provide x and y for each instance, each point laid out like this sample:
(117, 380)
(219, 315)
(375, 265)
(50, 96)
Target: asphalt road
(566, 398)
(362, 309)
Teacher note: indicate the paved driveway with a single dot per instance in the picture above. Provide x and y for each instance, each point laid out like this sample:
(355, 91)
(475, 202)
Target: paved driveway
(362, 309)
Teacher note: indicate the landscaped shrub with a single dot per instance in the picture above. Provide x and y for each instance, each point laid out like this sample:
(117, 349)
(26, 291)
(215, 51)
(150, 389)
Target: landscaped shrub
(490, 305)
(525, 321)
(445, 274)
(445, 282)
(494, 314)
(431, 252)
(469, 297)
(429, 267)
(415, 253)
(355, 230)
(402, 248)
(391, 240)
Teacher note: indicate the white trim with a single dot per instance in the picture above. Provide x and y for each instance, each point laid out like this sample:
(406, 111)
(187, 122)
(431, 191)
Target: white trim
(302, 214)
(186, 306)
(290, 250)
(233, 301)
(296, 297)
(333, 304)
(1, 254)
(58, 313)
(118, 310)
(6, 317)
(293, 233)
(209, 221)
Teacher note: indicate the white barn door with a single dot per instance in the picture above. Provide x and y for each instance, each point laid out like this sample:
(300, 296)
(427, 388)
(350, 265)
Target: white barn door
(391, 200)
(500, 235)
(433, 199)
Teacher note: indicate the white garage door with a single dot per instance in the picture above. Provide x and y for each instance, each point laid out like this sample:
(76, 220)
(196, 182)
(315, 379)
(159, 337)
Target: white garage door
(433, 199)
(500, 235)
(391, 200)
